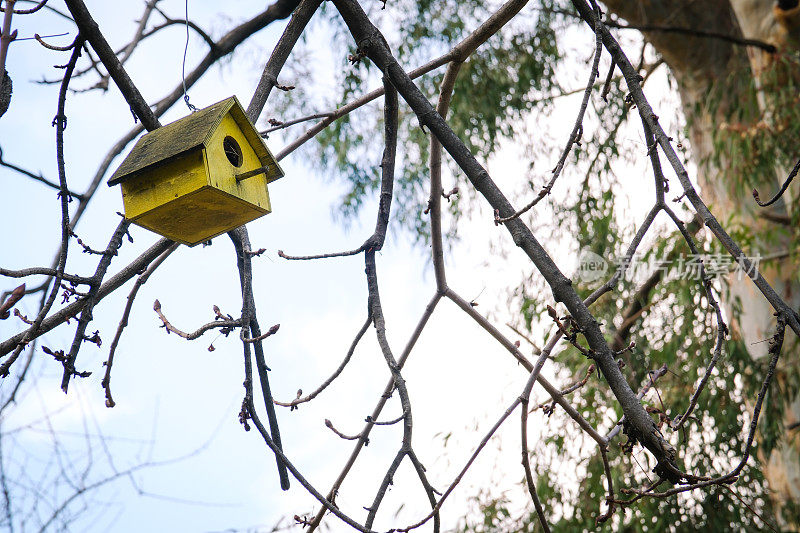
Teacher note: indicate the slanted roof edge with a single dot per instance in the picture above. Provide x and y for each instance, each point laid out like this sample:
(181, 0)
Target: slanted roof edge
(263, 152)
(129, 167)
(133, 164)
(116, 180)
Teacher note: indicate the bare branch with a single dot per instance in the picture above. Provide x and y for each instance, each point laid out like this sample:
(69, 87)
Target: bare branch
(574, 137)
(457, 54)
(10, 8)
(123, 322)
(71, 310)
(303, 399)
(37, 177)
(280, 53)
(92, 33)
(782, 190)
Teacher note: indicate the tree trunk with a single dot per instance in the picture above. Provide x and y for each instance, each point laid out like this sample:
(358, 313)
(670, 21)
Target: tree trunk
(729, 75)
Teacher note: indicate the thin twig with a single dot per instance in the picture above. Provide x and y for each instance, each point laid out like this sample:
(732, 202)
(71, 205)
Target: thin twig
(695, 32)
(10, 7)
(574, 137)
(53, 47)
(42, 271)
(269, 78)
(270, 332)
(250, 327)
(782, 190)
(37, 177)
(91, 300)
(329, 425)
(278, 125)
(303, 399)
(458, 53)
(123, 322)
(60, 124)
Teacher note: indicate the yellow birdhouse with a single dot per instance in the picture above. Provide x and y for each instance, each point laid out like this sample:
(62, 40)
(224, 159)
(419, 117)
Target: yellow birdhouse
(198, 177)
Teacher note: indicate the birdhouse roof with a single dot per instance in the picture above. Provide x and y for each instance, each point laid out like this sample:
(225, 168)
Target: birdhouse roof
(188, 134)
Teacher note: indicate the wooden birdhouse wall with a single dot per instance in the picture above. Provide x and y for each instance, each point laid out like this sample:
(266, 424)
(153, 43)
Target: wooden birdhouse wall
(180, 180)
(164, 184)
(222, 173)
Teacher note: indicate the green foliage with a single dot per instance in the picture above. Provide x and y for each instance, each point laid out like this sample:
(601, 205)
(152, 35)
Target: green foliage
(677, 328)
(756, 139)
(518, 74)
(501, 83)
(496, 88)
(494, 515)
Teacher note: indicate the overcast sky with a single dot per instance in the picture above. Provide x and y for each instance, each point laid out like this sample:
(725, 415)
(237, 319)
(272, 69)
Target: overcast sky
(173, 396)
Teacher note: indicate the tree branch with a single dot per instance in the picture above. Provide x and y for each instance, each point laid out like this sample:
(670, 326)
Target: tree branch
(641, 426)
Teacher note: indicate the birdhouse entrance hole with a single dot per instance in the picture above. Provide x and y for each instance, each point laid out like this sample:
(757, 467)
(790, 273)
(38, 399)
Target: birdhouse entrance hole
(233, 151)
(177, 182)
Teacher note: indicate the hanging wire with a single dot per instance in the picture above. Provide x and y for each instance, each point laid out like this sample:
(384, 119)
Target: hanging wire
(191, 107)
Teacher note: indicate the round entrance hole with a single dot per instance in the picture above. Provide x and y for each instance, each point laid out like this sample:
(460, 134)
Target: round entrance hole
(232, 151)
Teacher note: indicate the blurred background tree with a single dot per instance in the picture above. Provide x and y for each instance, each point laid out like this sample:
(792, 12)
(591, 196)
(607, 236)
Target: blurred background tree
(730, 74)
(727, 74)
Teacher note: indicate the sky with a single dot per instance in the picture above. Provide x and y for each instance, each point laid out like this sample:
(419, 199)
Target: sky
(177, 402)
(177, 399)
